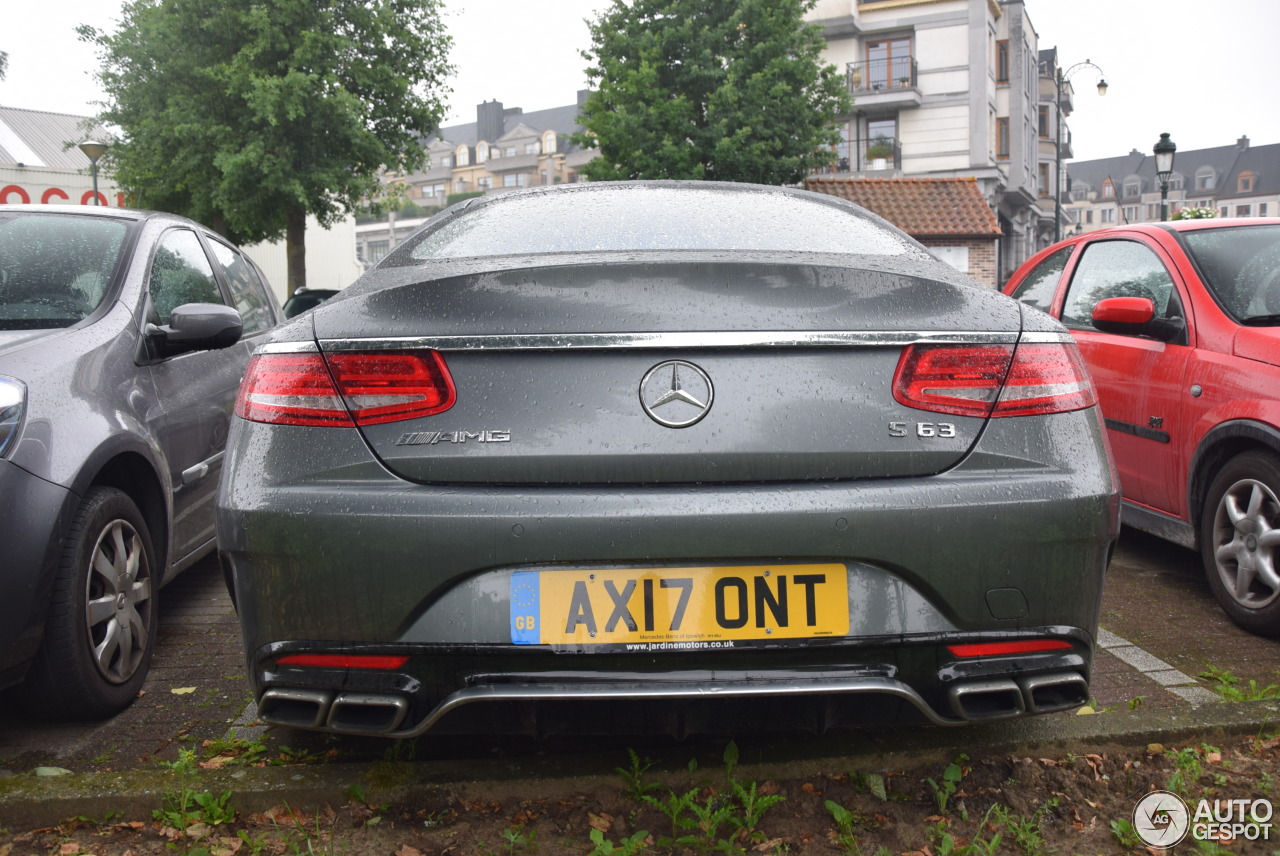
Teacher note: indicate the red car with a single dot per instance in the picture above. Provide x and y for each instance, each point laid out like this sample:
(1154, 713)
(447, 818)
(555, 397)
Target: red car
(1179, 324)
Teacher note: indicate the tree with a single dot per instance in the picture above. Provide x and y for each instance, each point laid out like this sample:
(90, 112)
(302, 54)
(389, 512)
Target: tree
(248, 116)
(723, 90)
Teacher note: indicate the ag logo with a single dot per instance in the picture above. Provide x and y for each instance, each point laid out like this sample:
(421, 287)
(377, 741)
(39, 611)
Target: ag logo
(1161, 819)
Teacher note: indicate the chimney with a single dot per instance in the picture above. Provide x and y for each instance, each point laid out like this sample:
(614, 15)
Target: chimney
(1242, 144)
(489, 123)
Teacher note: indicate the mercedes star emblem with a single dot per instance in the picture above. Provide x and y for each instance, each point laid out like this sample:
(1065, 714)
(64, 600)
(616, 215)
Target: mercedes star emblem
(676, 393)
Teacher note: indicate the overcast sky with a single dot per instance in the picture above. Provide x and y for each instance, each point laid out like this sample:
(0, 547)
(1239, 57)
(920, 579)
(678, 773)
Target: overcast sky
(1205, 73)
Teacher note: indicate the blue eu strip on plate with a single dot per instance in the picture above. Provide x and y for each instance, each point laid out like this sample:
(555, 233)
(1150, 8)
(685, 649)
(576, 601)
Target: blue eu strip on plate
(525, 629)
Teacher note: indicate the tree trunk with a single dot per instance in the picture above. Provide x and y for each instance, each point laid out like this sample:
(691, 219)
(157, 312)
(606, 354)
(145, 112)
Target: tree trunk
(295, 248)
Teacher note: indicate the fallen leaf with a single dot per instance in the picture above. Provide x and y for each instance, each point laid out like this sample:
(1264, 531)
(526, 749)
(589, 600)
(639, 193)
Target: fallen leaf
(182, 690)
(770, 846)
(808, 788)
(1084, 711)
(69, 848)
(601, 822)
(1213, 757)
(406, 850)
(217, 762)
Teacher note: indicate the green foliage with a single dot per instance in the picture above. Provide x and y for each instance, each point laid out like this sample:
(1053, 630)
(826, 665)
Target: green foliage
(186, 807)
(1123, 832)
(249, 116)
(634, 776)
(1226, 685)
(720, 90)
(951, 778)
(626, 847)
(453, 198)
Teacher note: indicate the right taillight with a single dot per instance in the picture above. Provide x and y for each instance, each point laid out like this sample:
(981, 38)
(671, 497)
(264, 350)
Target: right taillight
(344, 388)
(994, 380)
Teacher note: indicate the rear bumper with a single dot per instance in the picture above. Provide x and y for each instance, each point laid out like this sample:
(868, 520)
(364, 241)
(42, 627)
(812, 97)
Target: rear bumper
(357, 560)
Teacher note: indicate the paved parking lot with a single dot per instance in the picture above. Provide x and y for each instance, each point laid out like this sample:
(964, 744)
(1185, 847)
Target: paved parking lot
(1163, 628)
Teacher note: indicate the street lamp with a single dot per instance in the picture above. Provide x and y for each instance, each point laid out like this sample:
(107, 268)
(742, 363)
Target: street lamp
(1060, 79)
(94, 150)
(1164, 149)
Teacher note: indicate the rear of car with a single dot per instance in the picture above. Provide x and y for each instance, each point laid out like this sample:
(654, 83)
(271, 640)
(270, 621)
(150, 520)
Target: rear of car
(670, 446)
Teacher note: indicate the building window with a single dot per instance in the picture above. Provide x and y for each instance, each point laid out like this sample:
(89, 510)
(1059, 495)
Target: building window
(482, 152)
(447, 161)
(889, 63)
(1175, 181)
(549, 142)
(1044, 179)
(1243, 210)
(531, 148)
(377, 251)
(1002, 61)
(460, 186)
(1262, 209)
(1088, 216)
(509, 152)
(464, 156)
(1044, 121)
(1205, 178)
(1002, 138)
(1132, 188)
(1244, 182)
(484, 182)
(1107, 215)
(1222, 212)
(1130, 213)
(519, 179)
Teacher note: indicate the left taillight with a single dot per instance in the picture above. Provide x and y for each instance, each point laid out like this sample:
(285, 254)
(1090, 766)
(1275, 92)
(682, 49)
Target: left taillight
(345, 388)
(1033, 378)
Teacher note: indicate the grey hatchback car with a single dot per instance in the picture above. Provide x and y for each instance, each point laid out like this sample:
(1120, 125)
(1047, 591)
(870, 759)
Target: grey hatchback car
(123, 338)
(665, 457)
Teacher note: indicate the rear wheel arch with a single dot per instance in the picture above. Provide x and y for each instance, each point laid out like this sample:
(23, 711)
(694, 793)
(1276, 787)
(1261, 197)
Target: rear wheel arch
(1219, 446)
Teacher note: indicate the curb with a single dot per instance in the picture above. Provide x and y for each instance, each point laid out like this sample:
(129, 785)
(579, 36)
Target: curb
(31, 802)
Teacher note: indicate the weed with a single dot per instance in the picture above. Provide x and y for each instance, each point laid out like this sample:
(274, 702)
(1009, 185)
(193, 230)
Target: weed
(519, 838)
(1187, 768)
(1225, 684)
(626, 847)
(951, 778)
(1265, 784)
(633, 776)
(846, 822)
(1125, 834)
(185, 807)
(1025, 831)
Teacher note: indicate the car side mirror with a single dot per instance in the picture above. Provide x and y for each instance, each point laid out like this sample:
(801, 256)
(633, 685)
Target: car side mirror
(1135, 316)
(196, 327)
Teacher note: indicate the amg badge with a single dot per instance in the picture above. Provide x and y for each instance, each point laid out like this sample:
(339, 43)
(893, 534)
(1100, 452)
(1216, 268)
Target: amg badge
(431, 438)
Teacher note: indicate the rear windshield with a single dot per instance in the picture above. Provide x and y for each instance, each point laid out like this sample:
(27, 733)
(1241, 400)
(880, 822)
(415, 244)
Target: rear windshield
(657, 218)
(1241, 266)
(55, 269)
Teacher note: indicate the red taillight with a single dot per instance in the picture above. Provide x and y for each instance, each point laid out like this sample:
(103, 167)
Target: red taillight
(997, 380)
(996, 649)
(342, 389)
(344, 661)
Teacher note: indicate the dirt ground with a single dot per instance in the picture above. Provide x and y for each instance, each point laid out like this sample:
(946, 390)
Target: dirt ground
(1075, 804)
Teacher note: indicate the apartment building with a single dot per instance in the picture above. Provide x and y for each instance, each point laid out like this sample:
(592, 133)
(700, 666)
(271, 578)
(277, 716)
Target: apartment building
(504, 149)
(1238, 180)
(950, 88)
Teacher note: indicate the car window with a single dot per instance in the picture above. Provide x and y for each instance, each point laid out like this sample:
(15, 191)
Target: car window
(247, 291)
(658, 218)
(55, 268)
(180, 273)
(1117, 269)
(1241, 267)
(1040, 285)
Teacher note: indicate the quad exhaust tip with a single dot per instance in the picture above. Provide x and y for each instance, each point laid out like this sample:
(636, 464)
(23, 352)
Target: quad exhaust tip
(1006, 698)
(349, 713)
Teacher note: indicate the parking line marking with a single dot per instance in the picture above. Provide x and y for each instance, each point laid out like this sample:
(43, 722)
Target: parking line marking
(1179, 683)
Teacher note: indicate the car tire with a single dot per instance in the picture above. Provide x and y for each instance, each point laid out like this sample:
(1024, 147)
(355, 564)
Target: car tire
(1240, 541)
(101, 629)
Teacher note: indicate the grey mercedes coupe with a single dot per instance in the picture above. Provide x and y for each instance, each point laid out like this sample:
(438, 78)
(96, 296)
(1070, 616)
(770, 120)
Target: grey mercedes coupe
(669, 457)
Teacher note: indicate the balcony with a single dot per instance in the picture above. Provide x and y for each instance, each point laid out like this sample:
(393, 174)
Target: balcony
(881, 157)
(884, 84)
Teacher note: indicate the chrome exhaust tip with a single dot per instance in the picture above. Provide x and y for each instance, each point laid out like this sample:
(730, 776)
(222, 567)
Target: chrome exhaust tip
(362, 713)
(295, 708)
(1051, 693)
(999, 699)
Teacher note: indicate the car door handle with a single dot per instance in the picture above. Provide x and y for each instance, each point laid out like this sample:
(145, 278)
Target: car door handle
(191, 475)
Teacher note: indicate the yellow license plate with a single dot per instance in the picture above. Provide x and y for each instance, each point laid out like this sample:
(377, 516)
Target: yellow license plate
(674, 608)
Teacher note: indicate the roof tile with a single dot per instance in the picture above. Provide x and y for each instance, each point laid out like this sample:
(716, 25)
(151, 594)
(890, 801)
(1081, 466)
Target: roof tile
(921, 207)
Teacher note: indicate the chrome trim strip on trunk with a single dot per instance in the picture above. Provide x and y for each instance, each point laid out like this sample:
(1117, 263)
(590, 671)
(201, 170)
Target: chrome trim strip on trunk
(673, 340)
